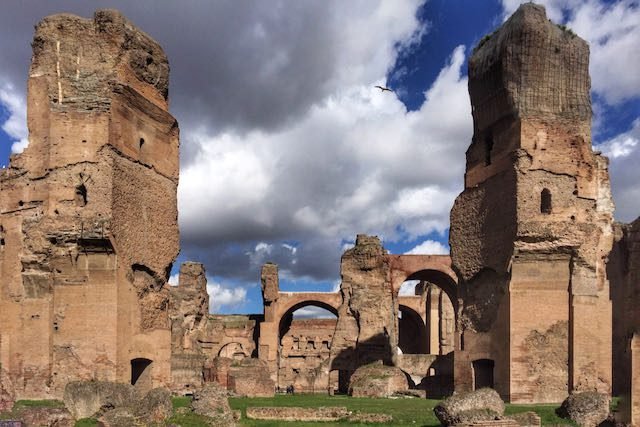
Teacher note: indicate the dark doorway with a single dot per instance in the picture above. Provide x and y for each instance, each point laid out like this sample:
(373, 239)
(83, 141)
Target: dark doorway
(141, 373)
(343, 381)
(545, 201)
(412, 332)
(482, 373)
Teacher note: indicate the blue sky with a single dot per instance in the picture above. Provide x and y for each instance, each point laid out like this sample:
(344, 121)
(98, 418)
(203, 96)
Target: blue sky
(287, 149)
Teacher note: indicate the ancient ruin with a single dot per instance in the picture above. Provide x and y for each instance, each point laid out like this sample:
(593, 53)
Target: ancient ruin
(88, 213)
(537, 300)
(531, 232)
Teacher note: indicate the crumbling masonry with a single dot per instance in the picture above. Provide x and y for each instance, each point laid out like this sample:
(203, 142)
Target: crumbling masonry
(539, 280)
(88, 212)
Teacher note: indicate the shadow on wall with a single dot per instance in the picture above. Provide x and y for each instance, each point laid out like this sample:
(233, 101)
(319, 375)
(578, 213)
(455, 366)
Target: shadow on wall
(345, 363)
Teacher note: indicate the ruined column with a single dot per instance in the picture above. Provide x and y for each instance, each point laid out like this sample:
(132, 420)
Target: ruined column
(530, 232)
(433, 313)
(270, 328)
(188, 313)
(89, 211)
(367, 319)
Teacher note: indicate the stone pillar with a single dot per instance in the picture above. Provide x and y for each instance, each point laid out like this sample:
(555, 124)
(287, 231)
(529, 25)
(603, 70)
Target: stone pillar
(433, 315)
(268, 344)
(447, 324)
(368, 297)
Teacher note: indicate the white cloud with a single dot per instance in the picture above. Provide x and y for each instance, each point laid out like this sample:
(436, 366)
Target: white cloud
(622, 145)
(174, 279)
(429, 247)
(283, 136)
(408, 288)
(623, 151)
(612, 30)
(16, 125)
(224, 295)
(313, 312)
(357, 162)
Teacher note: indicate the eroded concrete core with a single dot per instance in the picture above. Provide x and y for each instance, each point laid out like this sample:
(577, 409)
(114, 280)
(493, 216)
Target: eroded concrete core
(88, 212)
(532, 229)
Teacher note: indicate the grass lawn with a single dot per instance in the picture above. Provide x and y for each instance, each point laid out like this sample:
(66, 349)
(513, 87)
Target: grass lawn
(405, 412)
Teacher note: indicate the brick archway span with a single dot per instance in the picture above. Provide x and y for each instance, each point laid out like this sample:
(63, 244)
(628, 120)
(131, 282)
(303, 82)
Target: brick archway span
(433, 268)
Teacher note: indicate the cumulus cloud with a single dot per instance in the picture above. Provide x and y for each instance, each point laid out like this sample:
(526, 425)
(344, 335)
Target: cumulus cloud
(623, 151)
(227, 296)
(429, 247)
(312, 312)
(408, 288)
(174, 279)
(16, 124)
(357, 162)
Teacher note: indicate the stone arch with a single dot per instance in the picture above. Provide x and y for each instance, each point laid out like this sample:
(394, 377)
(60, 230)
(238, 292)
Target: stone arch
(141, 369)
(287, 313)
(304, 348)
(233, 350)
(412, 331)
(442, 279)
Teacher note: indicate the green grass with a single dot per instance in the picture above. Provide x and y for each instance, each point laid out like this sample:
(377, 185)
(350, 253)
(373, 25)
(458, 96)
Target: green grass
(86, 422)
(405, 412)
(547, 413)
(186, 418)
(22, 404)
(38, 404)
(180, 402)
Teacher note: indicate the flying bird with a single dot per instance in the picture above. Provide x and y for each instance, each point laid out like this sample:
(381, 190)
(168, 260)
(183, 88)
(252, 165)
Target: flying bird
(382, 89)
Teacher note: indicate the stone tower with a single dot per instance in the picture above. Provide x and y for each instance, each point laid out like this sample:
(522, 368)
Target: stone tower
(88, 212)
(531, 231)
(366, 329)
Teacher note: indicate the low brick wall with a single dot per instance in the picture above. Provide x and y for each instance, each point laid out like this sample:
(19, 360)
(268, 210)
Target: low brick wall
(323, 413)
(524, 419)
(527, 419)
(491, 423)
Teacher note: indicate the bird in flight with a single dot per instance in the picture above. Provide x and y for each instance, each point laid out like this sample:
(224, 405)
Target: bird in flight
(382, 88)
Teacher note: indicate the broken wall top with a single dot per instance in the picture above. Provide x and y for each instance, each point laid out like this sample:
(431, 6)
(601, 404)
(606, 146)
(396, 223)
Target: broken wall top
(95, 84)
(84, 60)
(530, 67)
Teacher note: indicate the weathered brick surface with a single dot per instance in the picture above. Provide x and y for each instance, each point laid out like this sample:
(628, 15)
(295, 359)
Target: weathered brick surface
(89, 212)
(531, 231)
(278, 413)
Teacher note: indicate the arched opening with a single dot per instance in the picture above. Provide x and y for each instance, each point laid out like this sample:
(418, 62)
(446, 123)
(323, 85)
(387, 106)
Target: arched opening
(412, 332)
(141, 373)
(482, 373)
(545, 201)
(438, 292)
(81, 195)
(305, 334)
(488, 147)
(233, 350)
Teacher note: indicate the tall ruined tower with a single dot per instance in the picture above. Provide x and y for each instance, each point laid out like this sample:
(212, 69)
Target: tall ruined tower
(88, 212)
(366, 329)
(531, 231)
